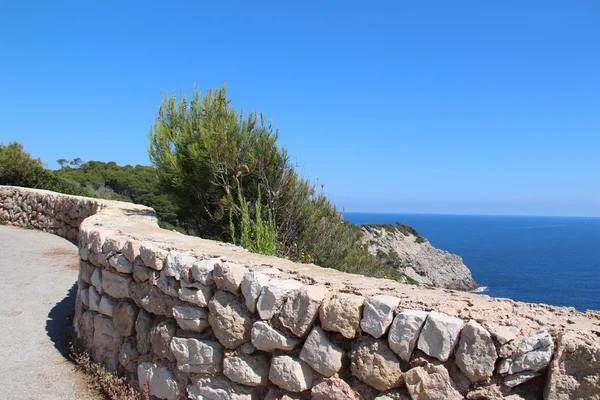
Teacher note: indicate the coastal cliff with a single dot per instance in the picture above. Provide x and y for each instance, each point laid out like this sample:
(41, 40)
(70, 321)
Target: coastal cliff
(415, 258)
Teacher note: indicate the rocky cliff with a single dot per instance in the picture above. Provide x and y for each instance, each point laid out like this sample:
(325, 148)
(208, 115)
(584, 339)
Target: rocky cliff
(416, 259)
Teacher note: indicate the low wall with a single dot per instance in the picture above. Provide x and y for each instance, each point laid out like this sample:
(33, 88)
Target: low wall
(185, 317)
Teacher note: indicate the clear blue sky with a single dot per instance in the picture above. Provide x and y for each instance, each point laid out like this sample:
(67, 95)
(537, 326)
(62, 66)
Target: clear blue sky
(471, 107)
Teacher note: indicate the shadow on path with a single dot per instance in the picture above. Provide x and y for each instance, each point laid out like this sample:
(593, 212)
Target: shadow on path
(59, 325)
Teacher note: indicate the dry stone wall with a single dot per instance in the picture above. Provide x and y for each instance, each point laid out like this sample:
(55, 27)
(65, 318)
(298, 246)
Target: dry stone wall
(184, 317)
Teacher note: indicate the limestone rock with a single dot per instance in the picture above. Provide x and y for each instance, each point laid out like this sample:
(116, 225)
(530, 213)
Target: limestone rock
(218, 388)
(202, 271)
(94, 299)
(533, 354)
(476, 353)
(265, 338)
(152, 299)
(143, 324)
(341, 313)
(106, 306)
(321, 354)
(440, 335)
(121, 264)
(167, 284)
(229, 276)
(376, 365)
(502, 333)
(131, 250)
(177, 262)
(160, 336)
(116, 285)
(334, 389)
(229, 320)
(199, 295)
(251, 287)
(128, 356)
(290, 373)
(152, 256)
(405, 331)
(84, 295)
(431, 382)
(85, 272)
(249, 370)
(124, 316)
(113, 244)
(519, 378)
(106, 342)
(96, 280)
(160, 381)
(301, 308)
(191, 318)
(197, 356)
(575, 369)
(378, 314)
(273, 295)
(141, 273)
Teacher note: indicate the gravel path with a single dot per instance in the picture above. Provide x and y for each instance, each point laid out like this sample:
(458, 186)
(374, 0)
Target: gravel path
(37, 293)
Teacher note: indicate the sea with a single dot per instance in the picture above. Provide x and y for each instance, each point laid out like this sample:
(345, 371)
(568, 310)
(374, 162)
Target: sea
(551, 260)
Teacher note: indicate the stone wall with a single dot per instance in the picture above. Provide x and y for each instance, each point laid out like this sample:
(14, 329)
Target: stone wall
(185, 317)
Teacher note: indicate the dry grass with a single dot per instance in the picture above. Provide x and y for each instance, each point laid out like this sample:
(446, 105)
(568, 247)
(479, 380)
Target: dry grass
(111, 386)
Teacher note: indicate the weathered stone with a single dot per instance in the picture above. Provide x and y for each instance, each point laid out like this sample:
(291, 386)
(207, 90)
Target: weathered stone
(113, 244)
(519, 378)
(168, 285)
(143, 324)
(106, 342)
(229, 320)
(84, 295)
(301, 308)
(94, 299)
(141, 273)
(152, 256)
(341, 313)
(405, 331)
(197, 356)
(575, 369)
(152, 299)
(97, 280)
(502, 333)
(116, 285)
(376, 365)
(191, 318)
(535, 360)
(106, 306)
(266, 338)
(199, 295)
(84, 253)
(440, 335)
(229, 276)
(121, 264)
(176, 262)
(202, 271)
(128, 355)
(84, 328)
(96, 240)
(85, 272)
(290, 373)
(334, 389)
(321, 354)
(160, 381)
(249, 370)
(476, 353)
(535, 342)
(131, 250)
(378, 314)
(218, 388)
(124, 316)
(160, 337)
(431, 382)
(273, 295)
(251, 287)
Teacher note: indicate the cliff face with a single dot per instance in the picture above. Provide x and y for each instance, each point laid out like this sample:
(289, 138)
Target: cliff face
(420, 262)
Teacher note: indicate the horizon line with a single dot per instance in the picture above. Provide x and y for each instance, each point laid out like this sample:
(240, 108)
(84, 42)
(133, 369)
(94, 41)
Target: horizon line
(472, 215)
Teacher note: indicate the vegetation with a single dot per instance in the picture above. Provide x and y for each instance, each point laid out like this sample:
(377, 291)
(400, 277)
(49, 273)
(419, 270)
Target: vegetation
(399, 227)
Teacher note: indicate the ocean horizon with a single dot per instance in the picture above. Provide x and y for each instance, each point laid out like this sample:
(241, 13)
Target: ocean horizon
(535, 259)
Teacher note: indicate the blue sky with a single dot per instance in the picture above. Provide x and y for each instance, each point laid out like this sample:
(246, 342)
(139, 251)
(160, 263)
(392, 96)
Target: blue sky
(468, 107)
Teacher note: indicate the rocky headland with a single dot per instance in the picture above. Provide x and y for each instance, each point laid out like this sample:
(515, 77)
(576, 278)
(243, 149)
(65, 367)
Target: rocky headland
(415, 258)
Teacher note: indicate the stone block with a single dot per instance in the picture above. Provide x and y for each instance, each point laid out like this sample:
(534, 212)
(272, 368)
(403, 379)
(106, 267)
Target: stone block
(199, 295)
(405, 331)
(321, 354)
(124, 316)
(301, 308)
(375, 364)
(341, 313)
(272, 296)
(476, 353)
(160, 381)
(152, 255)
(266, 338)
(191, 318)
(378, 314)
(245, 369)
(229, 276)
(440, 335)
(197, 356)
(290, 373)
(116, 285)
(251, 287)
(230, 321)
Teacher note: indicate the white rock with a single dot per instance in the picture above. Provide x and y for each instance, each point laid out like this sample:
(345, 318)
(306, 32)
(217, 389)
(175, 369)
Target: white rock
(199, 295)
(107, 306)
(476, 353)
(502, 333)
(197, 356)
(176, 262)
(121, 264)
(94, 297)
(217, 388)
(273, 295)
(266, 338)
(159, 380)
(252, 285)
(321, 354)
(535, 360)
(229, 276)
(519, 378)
(97, 280)
(440, 335)
(115, 285)
(290, 373)
(249, 370)
(301, 308)
(405, 331)
(191, 318)
(202, 271)
(152, 256)
(165, 283)
(537, 341)
(378, 314)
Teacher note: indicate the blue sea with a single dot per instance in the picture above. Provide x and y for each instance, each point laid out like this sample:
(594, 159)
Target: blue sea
(552, 260)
